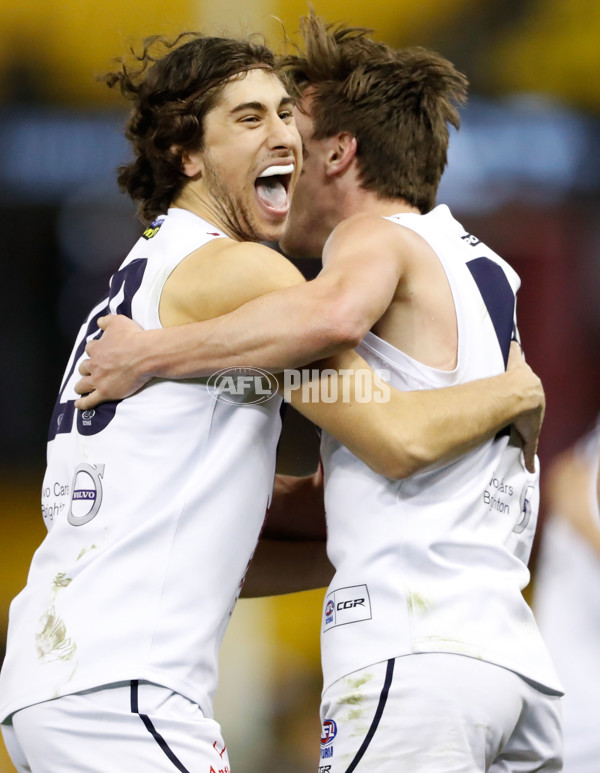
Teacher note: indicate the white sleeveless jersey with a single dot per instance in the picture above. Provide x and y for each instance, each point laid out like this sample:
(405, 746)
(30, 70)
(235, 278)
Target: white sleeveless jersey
(437, 562)
(154, 506)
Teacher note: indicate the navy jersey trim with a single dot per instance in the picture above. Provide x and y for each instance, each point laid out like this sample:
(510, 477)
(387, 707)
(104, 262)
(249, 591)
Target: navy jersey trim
(498, 297)
(389, 673)
(152, 730)
(127, 281)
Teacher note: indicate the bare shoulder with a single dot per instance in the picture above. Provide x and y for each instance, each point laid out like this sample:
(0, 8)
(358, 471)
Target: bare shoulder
(221, 276)
(362, 224)
(243, 260)
(371, 234)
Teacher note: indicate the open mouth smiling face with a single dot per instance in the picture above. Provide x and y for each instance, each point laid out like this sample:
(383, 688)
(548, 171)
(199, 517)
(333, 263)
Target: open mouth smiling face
(251, 159)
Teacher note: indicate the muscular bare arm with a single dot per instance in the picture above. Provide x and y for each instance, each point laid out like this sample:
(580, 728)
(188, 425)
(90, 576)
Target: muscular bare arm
(412, 431)
(286, 328)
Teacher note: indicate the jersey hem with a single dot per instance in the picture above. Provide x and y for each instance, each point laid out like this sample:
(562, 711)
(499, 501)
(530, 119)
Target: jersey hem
(201, 698)
(551, 685)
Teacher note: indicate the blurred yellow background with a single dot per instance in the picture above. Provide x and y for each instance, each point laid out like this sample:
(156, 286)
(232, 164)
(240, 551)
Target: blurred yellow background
(548, 46)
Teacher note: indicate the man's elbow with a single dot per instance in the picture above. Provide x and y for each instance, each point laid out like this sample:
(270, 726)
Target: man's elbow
(346, 329)
(348, 336)
(337, 319)
(394, 469)
(403, 460)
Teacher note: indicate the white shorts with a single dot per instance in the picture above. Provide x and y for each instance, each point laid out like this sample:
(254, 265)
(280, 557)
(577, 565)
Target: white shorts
(122, 728)
(438, 713)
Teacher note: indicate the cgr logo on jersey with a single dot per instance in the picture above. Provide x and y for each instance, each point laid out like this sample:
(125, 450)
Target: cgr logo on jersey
(242, 386)
(87, 493)
(153, 228)
(347, 605)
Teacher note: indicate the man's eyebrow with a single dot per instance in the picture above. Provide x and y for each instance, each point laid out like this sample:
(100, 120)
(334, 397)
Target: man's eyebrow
(260, 106)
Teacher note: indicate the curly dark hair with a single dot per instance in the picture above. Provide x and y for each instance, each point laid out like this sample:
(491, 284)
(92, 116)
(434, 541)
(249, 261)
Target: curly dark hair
(397, 103)
(172, 85)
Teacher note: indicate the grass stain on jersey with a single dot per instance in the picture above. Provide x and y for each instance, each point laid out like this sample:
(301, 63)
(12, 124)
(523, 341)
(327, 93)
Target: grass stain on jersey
(355, 698)
(417, 603)
(352, 700)
(60, 581)
(83, 551)
(355, 714)
(52, 641)
(355, 684)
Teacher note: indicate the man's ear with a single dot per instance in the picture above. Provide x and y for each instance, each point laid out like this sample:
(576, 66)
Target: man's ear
(191, 163)
(342, 152)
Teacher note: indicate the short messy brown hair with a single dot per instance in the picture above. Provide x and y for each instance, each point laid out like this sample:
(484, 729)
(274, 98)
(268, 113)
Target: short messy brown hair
(172, 85)
(397, 103)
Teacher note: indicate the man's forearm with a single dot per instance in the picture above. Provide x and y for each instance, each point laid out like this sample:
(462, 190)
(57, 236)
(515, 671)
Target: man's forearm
(285, 329)
(445, 424)
(460, 418)
(412, 431)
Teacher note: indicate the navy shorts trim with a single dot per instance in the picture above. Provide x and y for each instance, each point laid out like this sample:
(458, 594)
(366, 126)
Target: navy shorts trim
(389, 672)
(152, 730)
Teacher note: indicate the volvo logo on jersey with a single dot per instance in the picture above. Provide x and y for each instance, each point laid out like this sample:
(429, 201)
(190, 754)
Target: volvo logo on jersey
(328, 733)
(86, 496)
(347, 605)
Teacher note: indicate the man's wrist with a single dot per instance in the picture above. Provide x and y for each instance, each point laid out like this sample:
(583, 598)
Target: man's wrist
(526, 393)
(152, 360)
